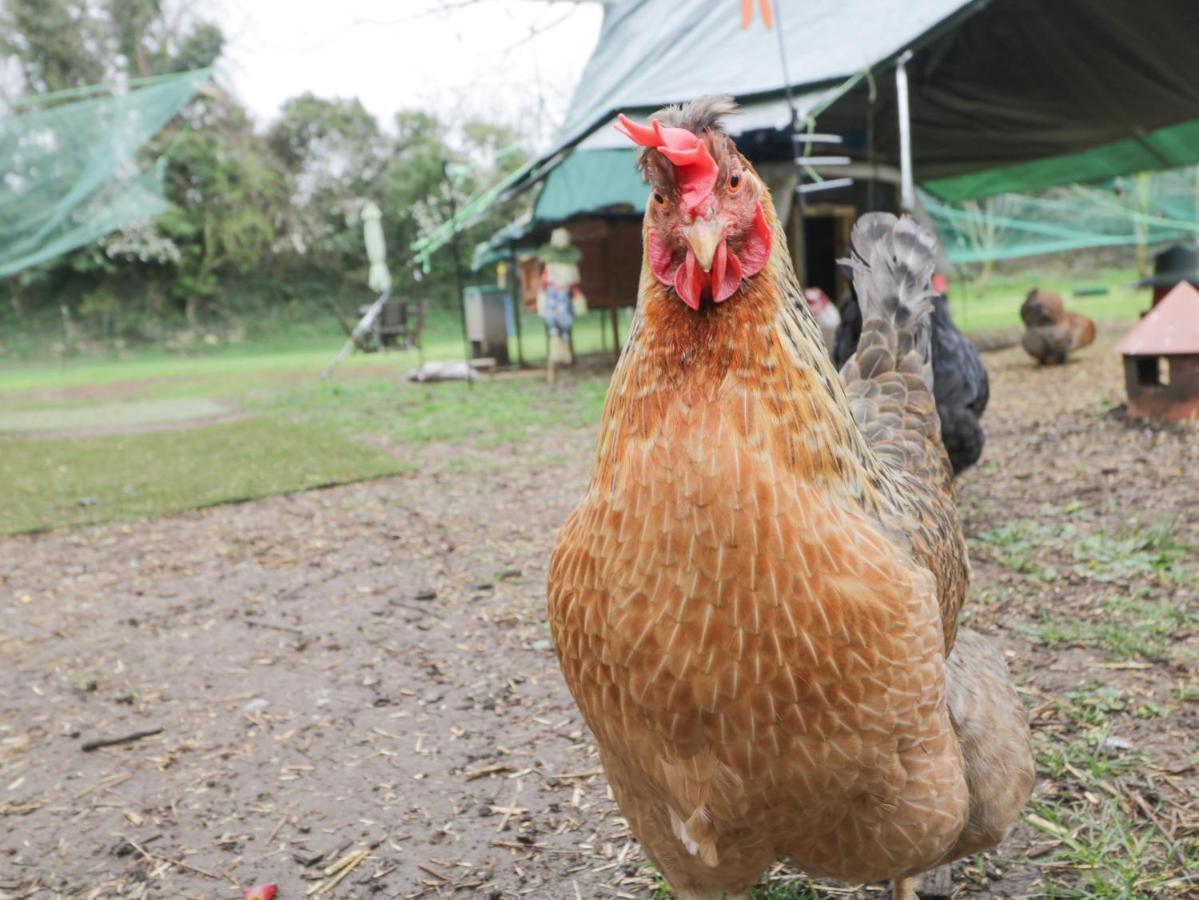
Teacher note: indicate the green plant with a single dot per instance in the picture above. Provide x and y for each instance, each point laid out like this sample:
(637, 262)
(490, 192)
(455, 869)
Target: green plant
(1141, 550)
(1018, 545)
(1107, 854)
(1124, 626)
(1093, 705)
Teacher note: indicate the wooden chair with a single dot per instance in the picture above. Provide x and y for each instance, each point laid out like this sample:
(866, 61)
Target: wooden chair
(399, 324)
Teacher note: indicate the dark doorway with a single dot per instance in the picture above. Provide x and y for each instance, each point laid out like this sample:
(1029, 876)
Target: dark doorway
(826, 239)
(820, 251)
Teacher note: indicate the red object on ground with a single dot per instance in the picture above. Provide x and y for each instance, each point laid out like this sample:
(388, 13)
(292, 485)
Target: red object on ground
(261, 892)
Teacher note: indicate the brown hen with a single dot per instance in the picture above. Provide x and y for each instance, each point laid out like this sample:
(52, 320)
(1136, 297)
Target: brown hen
(755, 603)
(1051, 332)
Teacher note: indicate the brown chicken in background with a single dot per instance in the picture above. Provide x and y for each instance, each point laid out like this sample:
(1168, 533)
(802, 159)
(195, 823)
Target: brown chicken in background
(755, 603)
(1051, 332)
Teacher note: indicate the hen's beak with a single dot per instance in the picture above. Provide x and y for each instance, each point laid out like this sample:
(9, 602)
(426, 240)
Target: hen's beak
(704, 236)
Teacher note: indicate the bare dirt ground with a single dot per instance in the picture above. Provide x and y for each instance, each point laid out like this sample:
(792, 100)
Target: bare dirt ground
(353, 692)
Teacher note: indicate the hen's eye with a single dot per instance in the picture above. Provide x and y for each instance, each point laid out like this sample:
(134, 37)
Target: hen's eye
(734, 183)
(659, 199)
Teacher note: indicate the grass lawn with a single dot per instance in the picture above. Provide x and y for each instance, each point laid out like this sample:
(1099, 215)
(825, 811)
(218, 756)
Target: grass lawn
(999, 304)
(76, 481)
(106, 416)
(304, 431)
(488, 413)
(300, 352)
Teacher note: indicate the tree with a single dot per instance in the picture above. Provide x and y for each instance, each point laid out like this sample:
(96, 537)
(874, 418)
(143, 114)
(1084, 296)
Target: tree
(244, 204)
(56, 44)
(197, 49)
(335, 153)
(417, 196)
(230, 204)
(61, 44)
(130, 22)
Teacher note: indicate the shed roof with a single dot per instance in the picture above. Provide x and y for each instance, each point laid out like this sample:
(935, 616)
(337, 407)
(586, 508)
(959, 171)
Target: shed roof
(1006, 95)
(1171, 328)
(654, 52)
(592, 180)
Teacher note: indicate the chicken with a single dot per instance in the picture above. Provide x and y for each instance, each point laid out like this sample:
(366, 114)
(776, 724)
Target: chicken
(755, 603)
(960, 383)
(1051, 333)
(825, 313)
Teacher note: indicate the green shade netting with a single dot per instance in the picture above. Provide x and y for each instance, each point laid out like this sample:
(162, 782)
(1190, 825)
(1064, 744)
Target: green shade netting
(1150, 208)
(1175, 145)
(70, 173)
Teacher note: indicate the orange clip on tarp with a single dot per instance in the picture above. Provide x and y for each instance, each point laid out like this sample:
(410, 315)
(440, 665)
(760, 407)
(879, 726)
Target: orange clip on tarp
(747, 13)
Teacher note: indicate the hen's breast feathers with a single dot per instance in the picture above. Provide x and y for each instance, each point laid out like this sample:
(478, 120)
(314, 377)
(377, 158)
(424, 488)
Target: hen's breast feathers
(745, 644)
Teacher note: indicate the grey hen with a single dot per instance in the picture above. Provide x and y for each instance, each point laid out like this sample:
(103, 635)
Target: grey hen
(960, 383)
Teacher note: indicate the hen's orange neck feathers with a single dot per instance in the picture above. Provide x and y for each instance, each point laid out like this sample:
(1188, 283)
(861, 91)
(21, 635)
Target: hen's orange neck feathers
(723, 345)
(755, 363)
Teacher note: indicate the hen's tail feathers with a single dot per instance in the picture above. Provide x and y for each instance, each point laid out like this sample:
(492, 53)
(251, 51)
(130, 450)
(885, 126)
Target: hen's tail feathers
(1082, 331)
(892, 264)
(889, 379)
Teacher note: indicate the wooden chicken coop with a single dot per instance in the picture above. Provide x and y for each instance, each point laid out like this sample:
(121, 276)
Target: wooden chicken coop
(610, 267)
(1161, 359)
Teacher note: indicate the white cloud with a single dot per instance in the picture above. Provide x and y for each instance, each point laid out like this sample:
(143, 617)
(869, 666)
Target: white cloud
(516, 60)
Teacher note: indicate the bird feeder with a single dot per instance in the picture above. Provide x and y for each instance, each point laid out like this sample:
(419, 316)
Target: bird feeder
(1161, 358)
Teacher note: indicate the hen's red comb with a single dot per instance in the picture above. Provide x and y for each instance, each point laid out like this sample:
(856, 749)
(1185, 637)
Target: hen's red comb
(695, 168)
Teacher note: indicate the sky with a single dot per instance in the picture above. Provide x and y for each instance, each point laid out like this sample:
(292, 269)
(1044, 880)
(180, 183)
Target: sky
(516, 61)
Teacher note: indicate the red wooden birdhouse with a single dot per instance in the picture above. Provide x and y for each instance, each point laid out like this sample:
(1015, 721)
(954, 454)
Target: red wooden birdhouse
(1161, 358)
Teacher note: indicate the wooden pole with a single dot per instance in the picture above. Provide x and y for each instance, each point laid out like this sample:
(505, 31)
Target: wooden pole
(796, 237)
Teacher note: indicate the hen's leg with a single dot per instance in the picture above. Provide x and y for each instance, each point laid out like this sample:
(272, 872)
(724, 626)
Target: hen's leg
(904, 889)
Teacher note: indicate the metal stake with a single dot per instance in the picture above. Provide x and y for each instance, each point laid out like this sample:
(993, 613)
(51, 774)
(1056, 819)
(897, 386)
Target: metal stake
(907, 197)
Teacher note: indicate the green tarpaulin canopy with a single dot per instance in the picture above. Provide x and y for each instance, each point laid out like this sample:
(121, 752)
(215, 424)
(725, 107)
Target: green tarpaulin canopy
(1030, 92)
(1006, 95)
(654, 52)
(587, 181)
(592, 180)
